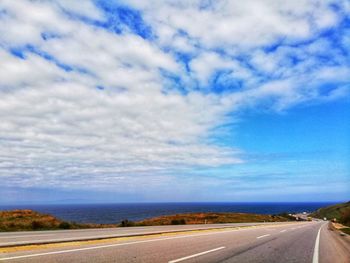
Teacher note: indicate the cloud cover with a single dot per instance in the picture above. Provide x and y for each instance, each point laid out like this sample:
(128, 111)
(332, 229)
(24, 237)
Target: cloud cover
(106, 93)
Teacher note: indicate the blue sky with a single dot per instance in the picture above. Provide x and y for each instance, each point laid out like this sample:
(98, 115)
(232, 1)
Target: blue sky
(151, 101)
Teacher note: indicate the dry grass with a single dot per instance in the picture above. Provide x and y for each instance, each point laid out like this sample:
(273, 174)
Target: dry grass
(210, 218)
(26, 220)
(22, 220)
(346, 230)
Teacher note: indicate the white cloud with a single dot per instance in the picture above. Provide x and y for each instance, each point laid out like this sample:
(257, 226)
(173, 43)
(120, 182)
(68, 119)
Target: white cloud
(239, 23)
(88, 106)
(84, 8)
(206, 64)
(30, 18)
(56, 123)
(81, 131)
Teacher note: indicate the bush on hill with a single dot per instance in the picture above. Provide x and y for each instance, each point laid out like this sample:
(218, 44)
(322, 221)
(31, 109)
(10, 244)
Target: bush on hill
(340, 212)
(345, 218)
(126, 223)
(178, 221)
(64, 225)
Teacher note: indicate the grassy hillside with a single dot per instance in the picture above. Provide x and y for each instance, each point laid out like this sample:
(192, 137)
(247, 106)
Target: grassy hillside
(339, 211)
(26, 220)
(210, 218)
(21, 220)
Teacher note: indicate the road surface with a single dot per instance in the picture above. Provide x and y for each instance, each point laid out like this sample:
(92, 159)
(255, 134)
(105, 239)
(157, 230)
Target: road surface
(310, 242)
(39, 237)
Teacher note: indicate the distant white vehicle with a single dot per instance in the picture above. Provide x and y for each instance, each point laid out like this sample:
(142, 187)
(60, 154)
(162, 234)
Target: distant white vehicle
(325, 219)
(304, 213)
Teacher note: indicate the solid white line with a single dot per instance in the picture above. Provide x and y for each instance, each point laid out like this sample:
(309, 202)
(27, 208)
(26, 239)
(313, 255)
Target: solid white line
(120, 244)
(317, 246)
(196, 255)
(283, 231)
(263, 236)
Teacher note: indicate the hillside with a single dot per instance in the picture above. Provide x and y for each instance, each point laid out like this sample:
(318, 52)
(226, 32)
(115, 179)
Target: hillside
(341, 212)
(210, 218)
(21, 220)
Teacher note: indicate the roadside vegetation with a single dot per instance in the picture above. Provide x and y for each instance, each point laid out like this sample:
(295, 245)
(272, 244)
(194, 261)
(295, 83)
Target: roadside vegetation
(211, 218)
(339, 212)
(346, 230)
(22, 220)
(26, 220)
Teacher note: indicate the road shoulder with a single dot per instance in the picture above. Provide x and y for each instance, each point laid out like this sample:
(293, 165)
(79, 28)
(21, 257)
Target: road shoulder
(333, 246)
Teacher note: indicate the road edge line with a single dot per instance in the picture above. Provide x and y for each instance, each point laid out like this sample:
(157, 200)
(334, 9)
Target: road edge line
(317, 246)
(196, 255)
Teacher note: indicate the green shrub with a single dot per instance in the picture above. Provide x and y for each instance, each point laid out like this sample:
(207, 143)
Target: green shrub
(178, 222)
(37, 225)
(64, 225)
(286, 215)
(126, 223)
(345, 218)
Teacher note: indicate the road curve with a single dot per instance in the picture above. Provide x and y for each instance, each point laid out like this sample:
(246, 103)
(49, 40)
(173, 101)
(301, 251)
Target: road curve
(292, 242)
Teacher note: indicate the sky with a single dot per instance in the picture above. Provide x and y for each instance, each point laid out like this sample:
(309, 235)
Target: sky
(174, 101)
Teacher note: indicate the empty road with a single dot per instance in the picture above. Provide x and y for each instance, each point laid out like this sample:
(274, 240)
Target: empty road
(310, 242)
(38, 237)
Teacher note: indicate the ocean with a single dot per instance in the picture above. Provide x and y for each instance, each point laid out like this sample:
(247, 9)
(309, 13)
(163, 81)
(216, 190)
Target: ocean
(115, 213)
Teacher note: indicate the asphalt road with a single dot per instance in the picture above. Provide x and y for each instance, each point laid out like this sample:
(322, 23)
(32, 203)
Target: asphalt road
(310, 242)
(32, 237)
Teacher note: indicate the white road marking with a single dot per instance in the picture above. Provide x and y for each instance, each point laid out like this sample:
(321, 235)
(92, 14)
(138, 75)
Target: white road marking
(120, 244)
(28, 236)
(283, 231)
(317, 246)
(196, 255)
(263, 236)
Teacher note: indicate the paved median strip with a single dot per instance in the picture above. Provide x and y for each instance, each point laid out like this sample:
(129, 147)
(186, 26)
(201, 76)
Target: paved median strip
(196, 255)
(40, 235)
